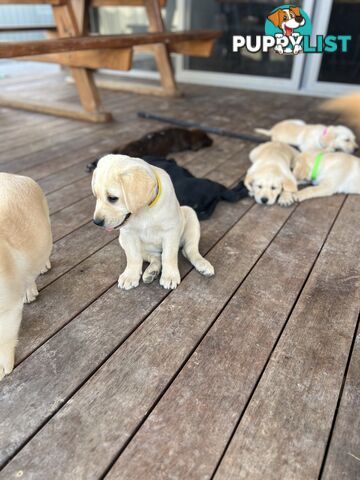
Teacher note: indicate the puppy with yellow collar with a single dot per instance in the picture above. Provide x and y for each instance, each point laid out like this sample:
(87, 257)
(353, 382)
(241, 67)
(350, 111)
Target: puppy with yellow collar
(140, 201)
(330, 173)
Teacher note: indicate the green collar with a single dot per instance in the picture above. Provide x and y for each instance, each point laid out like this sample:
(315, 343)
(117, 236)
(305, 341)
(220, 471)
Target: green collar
(315, 169)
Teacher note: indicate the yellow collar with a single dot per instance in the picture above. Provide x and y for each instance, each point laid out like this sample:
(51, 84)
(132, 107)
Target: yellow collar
(159, 190)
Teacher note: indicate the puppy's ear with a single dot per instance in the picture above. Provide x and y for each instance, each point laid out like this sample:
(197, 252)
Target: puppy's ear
(328, 136)
(276, 17)
(289, 184)
(248, 182)
(296, 11)
(301, 168)
(138, 188)
(93, 179)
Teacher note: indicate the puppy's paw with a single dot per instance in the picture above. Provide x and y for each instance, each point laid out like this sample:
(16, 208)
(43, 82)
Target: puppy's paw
(31, 293)
(299, 197)
(128, 280)
(46, 268)
(170, 279)
(286, 199)
(7, 358)
(204, 267)
(150, 274)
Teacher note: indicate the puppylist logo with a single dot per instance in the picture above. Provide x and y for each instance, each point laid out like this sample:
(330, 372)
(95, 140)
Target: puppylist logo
(288, 31)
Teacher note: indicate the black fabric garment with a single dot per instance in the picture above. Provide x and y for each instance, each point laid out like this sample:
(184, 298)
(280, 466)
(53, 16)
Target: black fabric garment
(199, 193)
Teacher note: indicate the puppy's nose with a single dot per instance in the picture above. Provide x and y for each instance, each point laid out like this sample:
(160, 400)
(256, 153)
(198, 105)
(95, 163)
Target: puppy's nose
(99, 222)
(264, 200)
(299, 19)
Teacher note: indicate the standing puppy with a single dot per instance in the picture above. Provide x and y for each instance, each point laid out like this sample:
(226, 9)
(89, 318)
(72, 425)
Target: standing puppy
(312, 137)
(25, 247)
(330, 172)
(140, 199)
(270, 179)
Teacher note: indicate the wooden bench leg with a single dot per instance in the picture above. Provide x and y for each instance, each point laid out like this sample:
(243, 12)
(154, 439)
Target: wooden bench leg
(162, 56)
(168, 85)
(68, 24)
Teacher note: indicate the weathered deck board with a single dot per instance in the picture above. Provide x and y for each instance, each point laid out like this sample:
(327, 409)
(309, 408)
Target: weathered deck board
(211, 391)
(343, 458)
(291, 411)
(94, 362)
(224, 219)
(137, 373)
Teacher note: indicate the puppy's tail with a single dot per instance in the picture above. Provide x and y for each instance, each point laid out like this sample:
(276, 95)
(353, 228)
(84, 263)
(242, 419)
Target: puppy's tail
(267, 133)
(348, 107)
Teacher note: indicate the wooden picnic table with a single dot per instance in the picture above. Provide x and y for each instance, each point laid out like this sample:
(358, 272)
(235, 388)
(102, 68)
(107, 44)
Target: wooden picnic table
(83, 53)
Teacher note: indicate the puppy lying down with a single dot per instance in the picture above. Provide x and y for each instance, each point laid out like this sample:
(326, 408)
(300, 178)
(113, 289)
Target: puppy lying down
(330, 172)
(312, 137)
(25, 247)
(270, 178)
(140, 200)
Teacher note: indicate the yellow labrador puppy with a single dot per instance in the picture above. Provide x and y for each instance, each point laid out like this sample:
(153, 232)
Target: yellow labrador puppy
(270, 178)
(330, 172)
(140, 199)
(311, 137)
(25, 247)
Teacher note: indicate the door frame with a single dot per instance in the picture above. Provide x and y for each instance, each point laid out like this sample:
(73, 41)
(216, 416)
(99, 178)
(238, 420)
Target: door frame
(310, 83)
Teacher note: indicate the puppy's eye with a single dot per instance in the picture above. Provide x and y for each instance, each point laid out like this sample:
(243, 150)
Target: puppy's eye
(112, 199)
(273, 188)
(259, 186)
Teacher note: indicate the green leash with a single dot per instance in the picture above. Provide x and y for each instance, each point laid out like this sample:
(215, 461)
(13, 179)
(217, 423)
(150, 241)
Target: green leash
(315, 169)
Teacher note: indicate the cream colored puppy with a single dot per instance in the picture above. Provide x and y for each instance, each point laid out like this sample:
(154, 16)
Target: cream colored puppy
(311, 137)
(270, 179)
(330, 172)
(140, 199)
(25, 247)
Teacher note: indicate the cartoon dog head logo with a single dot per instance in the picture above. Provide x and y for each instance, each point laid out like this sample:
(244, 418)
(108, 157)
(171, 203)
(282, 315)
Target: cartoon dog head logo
(288, 19)
(288, 24)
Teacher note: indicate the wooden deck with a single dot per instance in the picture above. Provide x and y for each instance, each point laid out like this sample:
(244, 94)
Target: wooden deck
(252, 374)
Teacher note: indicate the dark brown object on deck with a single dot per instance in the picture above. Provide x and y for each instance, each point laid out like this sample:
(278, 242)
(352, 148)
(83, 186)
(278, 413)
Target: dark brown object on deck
(162, 143)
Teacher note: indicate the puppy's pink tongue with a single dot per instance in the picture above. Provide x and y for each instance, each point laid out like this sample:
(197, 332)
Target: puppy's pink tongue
(109, 229)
